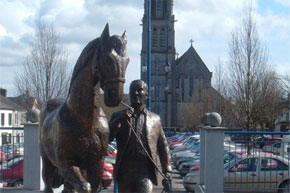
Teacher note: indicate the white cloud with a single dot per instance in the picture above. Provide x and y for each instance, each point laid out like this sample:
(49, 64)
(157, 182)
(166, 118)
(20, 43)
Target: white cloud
(285, 3)
(3, 32)
(208, 22)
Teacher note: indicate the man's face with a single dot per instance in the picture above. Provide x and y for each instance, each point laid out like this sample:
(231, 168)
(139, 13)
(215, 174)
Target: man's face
(138, 95)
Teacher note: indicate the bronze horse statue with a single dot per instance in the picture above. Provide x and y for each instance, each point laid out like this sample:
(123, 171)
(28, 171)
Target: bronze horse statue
(74, 132)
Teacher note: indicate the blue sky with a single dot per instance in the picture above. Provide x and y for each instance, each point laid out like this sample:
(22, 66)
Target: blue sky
(207, 22)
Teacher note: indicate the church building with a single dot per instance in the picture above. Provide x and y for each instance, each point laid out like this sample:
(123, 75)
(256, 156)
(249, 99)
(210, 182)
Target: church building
(173, 80)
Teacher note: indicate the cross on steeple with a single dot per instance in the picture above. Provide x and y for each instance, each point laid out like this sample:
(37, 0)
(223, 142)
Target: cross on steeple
(191, 41)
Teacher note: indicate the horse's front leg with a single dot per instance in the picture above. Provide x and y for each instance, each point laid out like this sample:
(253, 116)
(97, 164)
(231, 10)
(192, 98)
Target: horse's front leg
(47, 174)
(94, 175)
(72, 176)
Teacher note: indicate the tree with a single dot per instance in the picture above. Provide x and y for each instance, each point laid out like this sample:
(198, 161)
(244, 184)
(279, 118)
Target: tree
(253, 87)
(45, 67)
(208, 100)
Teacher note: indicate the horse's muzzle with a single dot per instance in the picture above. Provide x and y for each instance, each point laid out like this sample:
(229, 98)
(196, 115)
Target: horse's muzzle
(113, 94)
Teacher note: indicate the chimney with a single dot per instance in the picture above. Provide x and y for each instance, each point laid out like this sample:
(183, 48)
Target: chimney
(3, 92)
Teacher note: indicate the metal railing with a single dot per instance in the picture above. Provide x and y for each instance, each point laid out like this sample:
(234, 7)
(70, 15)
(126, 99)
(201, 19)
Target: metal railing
(11, 160)
(260, 161)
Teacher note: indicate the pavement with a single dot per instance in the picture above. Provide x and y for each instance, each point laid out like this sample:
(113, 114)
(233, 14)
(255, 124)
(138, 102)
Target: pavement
(177, 187)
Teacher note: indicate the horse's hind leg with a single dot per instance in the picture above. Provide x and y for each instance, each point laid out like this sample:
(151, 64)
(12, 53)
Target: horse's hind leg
(48, 171)
(95, 174)
(73, 176)
(68, 188)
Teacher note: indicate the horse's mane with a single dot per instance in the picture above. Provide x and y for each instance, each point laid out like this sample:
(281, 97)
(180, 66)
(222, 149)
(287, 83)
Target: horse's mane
(82, 61)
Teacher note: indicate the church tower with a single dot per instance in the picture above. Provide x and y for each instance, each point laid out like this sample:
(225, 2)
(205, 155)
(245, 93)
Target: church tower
(162, 57)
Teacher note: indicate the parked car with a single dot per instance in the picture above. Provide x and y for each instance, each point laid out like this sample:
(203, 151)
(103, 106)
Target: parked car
(185, 166)
(273, 140)
(8, 150)
(111, 160)
(108, 167)
(12, 172)
(274, 148)
(18, 149)
(13, 150)
(107, 179)
(111, 151)
(2, 156)
(178, 143)
(191, 141)
(255, 173)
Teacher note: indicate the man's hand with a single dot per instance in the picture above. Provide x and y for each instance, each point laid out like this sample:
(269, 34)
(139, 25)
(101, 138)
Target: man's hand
(126, 115)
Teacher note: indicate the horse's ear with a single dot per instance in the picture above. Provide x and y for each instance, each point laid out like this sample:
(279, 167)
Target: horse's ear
(106, 34)
(124, 37)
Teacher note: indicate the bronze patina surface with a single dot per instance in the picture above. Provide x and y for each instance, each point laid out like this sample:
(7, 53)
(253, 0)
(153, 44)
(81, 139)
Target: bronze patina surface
(74, 131)
(140, 142)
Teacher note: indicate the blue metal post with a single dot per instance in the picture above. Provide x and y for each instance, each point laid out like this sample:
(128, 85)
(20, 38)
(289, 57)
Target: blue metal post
(149, 54)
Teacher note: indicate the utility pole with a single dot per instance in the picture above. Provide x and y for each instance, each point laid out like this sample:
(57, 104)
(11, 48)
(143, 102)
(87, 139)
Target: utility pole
(288, 116)
(149, 54)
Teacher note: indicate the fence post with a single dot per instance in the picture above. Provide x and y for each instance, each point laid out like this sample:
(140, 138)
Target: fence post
(211, 155)
(32, 161)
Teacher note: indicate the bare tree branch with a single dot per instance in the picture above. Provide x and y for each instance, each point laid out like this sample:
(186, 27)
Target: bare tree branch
(45, 73)
(253, 81)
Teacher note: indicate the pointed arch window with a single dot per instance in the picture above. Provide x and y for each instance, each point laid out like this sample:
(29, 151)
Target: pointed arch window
(163, 38)
(181, 87)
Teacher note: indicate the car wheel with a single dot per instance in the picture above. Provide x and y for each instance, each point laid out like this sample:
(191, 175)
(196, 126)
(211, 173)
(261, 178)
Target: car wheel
(284, 187)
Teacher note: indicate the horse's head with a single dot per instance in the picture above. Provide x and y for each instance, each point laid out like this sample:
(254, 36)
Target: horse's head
(113, 62)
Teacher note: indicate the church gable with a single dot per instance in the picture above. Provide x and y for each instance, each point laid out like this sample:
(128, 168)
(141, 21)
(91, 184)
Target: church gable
(191, 75)
(191, 63)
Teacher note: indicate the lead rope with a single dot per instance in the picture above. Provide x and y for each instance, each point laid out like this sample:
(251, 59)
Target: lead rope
(166, 182)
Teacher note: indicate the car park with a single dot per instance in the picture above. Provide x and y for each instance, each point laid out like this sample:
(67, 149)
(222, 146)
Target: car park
(11, 173)
(270, 173)
(191, 141)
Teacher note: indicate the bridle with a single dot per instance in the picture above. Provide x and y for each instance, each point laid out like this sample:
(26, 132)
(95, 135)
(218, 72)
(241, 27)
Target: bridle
(116, 79)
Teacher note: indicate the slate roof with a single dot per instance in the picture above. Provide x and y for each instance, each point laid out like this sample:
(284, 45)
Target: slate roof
(7, 104)
(192, 57)
(24, 101)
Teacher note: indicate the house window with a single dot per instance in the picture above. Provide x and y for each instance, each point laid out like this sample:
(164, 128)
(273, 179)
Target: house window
(2, 119)
(10, 119)
(16, 119)
(6, 138)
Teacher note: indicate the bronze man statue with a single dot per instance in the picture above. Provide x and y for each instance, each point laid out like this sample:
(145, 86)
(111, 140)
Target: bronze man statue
(136, 129)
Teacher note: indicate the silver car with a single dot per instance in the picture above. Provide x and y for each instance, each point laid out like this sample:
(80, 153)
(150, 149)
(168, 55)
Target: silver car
(254, 173)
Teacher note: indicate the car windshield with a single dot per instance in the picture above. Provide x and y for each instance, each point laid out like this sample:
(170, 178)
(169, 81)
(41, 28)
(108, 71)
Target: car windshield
(229, 164)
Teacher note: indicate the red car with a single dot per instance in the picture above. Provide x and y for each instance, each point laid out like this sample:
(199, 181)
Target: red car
(12, 173)
(107, 175)
(2, 157)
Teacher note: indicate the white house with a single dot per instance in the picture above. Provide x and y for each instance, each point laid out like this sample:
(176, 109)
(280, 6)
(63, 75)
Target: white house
(12, 118)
